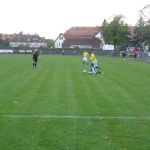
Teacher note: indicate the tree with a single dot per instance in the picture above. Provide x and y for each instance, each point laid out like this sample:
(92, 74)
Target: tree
(144, 13)
(105, 32)
(116, 32)
(143, 27)
(50, 43)
(4, 44)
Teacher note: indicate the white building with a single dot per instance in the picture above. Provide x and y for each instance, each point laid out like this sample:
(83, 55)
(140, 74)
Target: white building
(80, 37)
(59, 41)
(30, 41)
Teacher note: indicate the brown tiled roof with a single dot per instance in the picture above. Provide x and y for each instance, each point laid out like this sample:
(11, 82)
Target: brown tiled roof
(81, 32)
(8, 36)
(28, 38)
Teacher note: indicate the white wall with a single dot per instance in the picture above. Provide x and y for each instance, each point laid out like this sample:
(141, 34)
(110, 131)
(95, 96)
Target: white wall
(99, 35)
(108, 47)
(6, 51)
(31, 45)
(59, 41)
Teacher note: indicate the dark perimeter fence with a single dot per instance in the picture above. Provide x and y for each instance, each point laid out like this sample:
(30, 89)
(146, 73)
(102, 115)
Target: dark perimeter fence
(60, 52)
(111, 53)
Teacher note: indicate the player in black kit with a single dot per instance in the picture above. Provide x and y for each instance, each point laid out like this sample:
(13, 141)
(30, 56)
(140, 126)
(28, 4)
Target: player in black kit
(35, 57)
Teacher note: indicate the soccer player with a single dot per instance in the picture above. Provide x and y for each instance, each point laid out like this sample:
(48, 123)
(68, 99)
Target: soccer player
(124, 55)
(94, 67)
(85, 58)
(35, 57)
(93, 59)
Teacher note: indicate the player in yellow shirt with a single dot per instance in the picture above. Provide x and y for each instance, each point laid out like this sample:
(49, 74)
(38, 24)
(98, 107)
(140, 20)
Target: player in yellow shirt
(93, 59)
(94, 67)
(85, 58)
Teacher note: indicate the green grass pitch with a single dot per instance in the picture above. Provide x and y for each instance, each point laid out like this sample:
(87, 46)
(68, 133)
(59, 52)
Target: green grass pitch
(58, 107)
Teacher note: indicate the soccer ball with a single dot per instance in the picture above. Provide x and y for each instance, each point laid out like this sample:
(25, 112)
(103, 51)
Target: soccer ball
(84, 70)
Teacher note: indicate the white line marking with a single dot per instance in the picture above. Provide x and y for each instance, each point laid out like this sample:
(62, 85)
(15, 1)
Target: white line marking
(72, 117)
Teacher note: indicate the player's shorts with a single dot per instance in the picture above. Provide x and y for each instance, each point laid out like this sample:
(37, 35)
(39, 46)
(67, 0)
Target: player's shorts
(94, 62)
(35, 59)
(85, 59)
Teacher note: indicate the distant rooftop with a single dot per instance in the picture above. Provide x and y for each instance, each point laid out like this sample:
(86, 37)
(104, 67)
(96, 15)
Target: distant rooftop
(82, 32)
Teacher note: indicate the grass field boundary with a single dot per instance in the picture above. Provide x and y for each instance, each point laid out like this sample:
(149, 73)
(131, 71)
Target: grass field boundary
(73, 117)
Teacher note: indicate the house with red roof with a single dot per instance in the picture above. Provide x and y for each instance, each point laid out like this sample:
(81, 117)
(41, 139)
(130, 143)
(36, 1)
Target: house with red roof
(80, 37)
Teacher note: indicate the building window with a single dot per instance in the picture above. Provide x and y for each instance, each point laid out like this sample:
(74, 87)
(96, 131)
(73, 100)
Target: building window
(61, 38)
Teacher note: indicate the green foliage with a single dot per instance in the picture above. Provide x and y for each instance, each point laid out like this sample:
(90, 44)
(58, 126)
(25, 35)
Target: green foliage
(50, 43)
(115, 32)
(4, 44)
(146, 34)
(143, 27)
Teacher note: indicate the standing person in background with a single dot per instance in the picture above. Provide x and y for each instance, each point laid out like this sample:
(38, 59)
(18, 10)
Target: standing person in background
(75, 52)
(35, 57)
(124, 55)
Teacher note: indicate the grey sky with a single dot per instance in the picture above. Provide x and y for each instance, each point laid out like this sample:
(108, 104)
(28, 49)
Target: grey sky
(49, 18)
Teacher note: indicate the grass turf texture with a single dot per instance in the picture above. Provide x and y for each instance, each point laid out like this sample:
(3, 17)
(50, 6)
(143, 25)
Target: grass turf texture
(58, 87)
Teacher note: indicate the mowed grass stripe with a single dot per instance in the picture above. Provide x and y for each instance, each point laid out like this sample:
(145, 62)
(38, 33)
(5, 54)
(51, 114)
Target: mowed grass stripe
(73, 117)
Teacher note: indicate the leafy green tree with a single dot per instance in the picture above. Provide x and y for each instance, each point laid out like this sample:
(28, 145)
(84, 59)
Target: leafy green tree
(116, 32)
(4, 44)
(106, 32)
(50, 43)
(143, 27)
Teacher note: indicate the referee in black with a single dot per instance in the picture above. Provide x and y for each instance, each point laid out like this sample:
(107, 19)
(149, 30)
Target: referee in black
(35, 57)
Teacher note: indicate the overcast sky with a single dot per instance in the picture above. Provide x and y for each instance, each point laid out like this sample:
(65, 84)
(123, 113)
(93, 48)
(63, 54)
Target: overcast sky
(49, 18)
